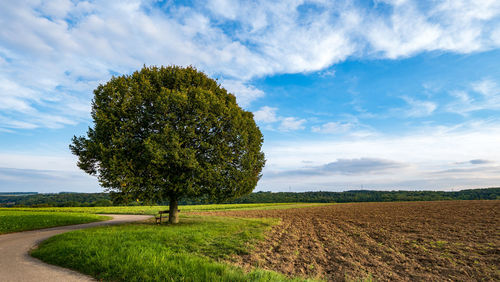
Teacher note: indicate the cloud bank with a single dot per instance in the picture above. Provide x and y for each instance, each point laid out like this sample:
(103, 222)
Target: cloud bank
(53, 53)
(440, 157)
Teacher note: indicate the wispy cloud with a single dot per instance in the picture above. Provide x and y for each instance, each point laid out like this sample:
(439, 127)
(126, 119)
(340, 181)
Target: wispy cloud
(418, 108)
(54, 53)
(291, 124)
(470, 172)
(486, 87)
(476, 162)
(266, 115)
(246, 93)
(480, 162)
(43, 173)
(272, 121)
(45, 181)
(361, 166)
(458, 26)
(333, 127)
(68, 47)
(28, 160)
(415, 160)
(480, 95)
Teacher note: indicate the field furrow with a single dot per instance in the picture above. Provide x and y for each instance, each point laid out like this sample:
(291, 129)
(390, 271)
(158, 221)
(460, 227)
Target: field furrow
(438, 241)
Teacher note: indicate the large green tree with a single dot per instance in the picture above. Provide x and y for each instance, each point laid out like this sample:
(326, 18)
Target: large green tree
(169, 133)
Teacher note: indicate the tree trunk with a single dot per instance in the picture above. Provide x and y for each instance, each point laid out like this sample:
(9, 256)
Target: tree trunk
(173, 214)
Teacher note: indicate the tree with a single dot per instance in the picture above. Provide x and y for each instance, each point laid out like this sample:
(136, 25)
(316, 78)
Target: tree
(170, 133)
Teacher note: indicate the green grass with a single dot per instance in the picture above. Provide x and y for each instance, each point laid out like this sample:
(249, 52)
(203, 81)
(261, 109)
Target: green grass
(154, 209)
(196, 249)
(14, 221)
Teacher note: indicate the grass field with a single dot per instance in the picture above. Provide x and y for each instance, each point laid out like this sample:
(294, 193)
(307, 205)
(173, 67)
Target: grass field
(14, 221)
(151, 210)
(194, 250)
(422, 241)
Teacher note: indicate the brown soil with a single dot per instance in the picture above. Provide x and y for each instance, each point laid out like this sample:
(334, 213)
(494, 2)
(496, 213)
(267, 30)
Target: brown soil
(431, 241)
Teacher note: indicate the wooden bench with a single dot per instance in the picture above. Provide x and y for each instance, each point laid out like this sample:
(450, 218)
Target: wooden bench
(160, 214)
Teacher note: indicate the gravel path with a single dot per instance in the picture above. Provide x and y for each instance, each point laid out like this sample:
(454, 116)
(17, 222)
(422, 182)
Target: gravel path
(17, 265)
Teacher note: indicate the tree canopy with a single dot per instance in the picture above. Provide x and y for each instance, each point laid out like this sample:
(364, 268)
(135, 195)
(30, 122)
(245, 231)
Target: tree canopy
(170, 133)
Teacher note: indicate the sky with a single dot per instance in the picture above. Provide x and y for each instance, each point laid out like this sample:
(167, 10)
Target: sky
(385, 95)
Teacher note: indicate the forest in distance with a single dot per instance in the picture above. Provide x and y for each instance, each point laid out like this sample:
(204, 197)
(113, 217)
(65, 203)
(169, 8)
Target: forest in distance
(66, 199)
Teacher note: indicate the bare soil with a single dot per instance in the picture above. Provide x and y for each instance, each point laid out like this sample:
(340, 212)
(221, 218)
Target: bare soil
(404, 241)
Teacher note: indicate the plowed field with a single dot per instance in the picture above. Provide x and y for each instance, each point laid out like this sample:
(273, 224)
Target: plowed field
(438, 241)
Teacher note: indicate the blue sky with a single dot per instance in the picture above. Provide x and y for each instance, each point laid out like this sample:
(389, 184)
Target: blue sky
(348, 94)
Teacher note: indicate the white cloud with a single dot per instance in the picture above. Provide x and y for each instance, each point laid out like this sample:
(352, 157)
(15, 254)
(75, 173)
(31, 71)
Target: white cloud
(224, 8)
(15, 97)
(266, 115)
(26, 171)
(55, 8)
(462, 96)
(476, 162)
(67, 48)
(244, 93)
(327, 73)
(418, 108)
(486, 87)
(38, 162)
(46, 181)
(54, 53)
(426, 153)
(405, 32)
(6, 123)
(273, 122)
(291, 124)
(495, 37)
(480, 95)
(360, 166)
(349, 125)
(457, 26)
(333, 127)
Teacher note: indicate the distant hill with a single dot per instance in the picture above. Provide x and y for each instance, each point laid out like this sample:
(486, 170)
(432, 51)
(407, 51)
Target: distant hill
(103, 199)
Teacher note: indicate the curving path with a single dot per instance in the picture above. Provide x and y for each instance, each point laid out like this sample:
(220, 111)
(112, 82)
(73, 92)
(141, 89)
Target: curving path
(17, 265)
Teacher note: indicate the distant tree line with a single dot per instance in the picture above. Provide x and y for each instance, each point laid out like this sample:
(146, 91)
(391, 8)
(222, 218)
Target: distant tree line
(105, 199)
(369, 196)
(17, 193)
(63, 199)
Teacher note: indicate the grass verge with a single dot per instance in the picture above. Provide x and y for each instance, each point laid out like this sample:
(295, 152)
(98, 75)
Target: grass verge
(14, 221)
(151, 210)
(194, 250)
